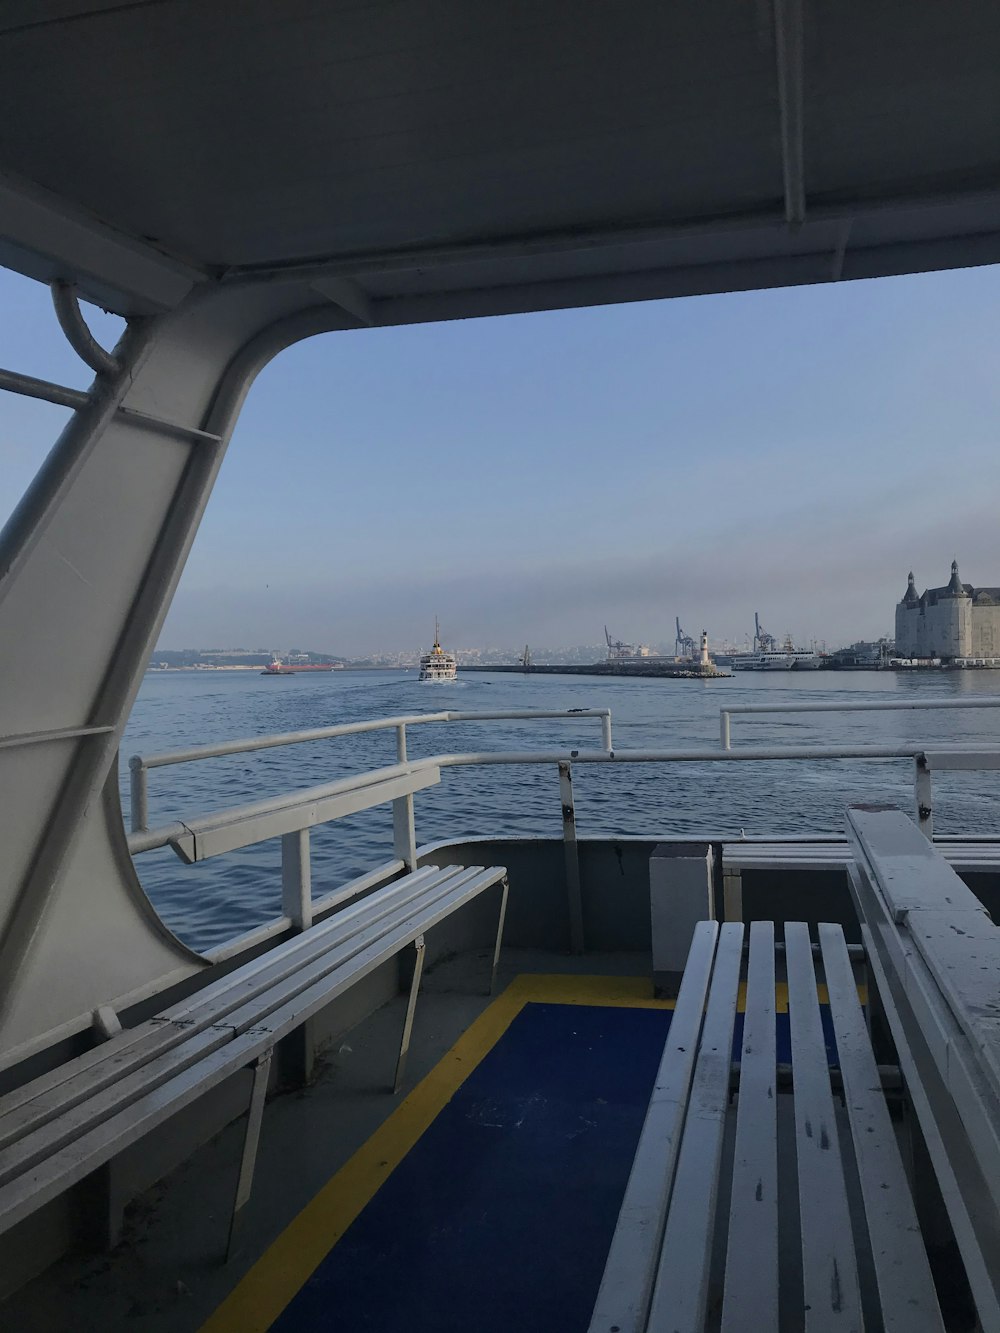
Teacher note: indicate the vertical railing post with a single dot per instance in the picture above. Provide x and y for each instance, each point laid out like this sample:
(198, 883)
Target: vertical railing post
(606, 732)
(724, 732)
(139, 794)
(404, 833)
(296, 879)
(923, 795)
(572, 856)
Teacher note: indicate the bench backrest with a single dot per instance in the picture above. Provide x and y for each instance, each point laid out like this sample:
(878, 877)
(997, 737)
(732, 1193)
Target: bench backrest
(227, 830)
(935, 956)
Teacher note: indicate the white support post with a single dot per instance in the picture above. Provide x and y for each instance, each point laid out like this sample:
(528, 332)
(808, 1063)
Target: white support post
(606, 732)
(404, 833)
(296, 879)
(139, 793)
(922, 793)
(572, 855)
(724, 729)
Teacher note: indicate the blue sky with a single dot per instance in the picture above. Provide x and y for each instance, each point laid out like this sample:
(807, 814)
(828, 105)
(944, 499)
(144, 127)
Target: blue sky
(532, 478)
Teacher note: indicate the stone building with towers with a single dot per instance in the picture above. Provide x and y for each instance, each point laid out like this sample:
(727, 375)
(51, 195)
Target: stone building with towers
(956, 621)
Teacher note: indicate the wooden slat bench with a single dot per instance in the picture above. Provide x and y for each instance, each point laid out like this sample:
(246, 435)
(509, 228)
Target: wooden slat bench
(977, 858)
(660, 1263)
(61, 1127)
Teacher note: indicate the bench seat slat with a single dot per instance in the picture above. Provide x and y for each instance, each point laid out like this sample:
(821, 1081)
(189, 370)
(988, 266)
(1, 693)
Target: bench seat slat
(829, 1264)
(751, 1282)
(906, 1288)
(299, 997)
(627, 1286)
(681, 1292)
(53, 1094)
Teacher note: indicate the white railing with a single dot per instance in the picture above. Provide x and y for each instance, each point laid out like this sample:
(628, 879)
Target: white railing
(139, 765)
(868, 706)
(291, 815)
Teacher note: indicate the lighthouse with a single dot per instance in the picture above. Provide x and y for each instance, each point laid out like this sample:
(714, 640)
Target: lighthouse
(706, 662)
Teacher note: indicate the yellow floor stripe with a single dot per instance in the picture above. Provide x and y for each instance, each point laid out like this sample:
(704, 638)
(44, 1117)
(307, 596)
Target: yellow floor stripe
(259, 1298)
(271, 1283)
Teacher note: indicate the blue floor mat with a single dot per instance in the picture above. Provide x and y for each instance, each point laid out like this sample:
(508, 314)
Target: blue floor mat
(499, 1218)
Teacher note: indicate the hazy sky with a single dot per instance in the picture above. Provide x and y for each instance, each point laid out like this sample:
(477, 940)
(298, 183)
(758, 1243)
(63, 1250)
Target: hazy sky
(532, 478)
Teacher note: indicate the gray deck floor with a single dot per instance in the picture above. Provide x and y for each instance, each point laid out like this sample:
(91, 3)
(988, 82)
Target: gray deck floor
(167, 1275)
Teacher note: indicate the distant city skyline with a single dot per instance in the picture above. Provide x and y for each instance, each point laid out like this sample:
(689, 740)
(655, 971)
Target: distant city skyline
(533, 478)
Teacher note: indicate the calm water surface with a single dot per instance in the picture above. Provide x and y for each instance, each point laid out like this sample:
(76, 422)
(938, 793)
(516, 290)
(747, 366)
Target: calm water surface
(210, 902)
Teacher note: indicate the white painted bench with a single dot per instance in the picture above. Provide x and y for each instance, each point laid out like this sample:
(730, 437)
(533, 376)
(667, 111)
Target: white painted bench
(657, 1275)
(66, 1124)
(934, 954)
(976, 858)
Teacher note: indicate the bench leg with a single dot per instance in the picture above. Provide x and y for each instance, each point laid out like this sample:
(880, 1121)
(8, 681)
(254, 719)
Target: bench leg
(251, 1138)
(732, 895)
(404, 1045)
(504, 889)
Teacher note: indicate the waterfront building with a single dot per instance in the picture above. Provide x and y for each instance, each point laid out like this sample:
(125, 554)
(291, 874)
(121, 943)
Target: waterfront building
(955, 621)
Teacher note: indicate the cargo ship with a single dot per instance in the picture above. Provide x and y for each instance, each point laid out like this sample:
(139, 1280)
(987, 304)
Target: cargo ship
(276, 667)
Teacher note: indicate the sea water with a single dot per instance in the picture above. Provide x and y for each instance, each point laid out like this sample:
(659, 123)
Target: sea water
(210, 902)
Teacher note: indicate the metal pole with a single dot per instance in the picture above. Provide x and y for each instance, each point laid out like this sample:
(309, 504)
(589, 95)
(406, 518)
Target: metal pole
(404, 831)
(572, 856)
(296, 879)
(606, 731)
(139, 793)
(724, 729)
(922, 793)
(14, 382)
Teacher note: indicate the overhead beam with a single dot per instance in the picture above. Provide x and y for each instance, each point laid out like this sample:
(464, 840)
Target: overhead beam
(788, 49)
(357, 263)
(48, 238)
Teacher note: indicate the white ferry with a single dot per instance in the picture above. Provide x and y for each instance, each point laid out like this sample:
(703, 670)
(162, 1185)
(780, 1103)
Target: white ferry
(438, 664)
(781, 659)
(753, 1124)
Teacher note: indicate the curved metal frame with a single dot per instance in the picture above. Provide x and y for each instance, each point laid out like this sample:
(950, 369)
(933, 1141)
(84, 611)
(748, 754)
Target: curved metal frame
(77, 331)
(89, 562)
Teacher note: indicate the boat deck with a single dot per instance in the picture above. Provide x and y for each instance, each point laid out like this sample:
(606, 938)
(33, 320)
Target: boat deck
(469, 1170)
(484, 1197)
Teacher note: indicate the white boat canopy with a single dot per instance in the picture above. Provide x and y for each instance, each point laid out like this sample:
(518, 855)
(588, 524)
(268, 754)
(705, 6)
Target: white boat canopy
(232, 177)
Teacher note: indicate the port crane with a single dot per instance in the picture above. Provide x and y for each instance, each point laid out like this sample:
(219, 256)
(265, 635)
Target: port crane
(683, 643)
(617, 649)
(762, 641)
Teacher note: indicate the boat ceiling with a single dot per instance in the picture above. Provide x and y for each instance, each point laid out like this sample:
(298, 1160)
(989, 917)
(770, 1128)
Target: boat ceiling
(426, 159)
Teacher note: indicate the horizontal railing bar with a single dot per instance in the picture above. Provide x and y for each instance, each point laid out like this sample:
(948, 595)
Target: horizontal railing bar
(749, 753)
(868, 706)
(30, 387)
(960, 760)
(250, 743)
(139, 842)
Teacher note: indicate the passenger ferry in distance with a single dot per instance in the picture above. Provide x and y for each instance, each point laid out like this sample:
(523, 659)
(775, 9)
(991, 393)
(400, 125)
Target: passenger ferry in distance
(783, 659)
(438, 664)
